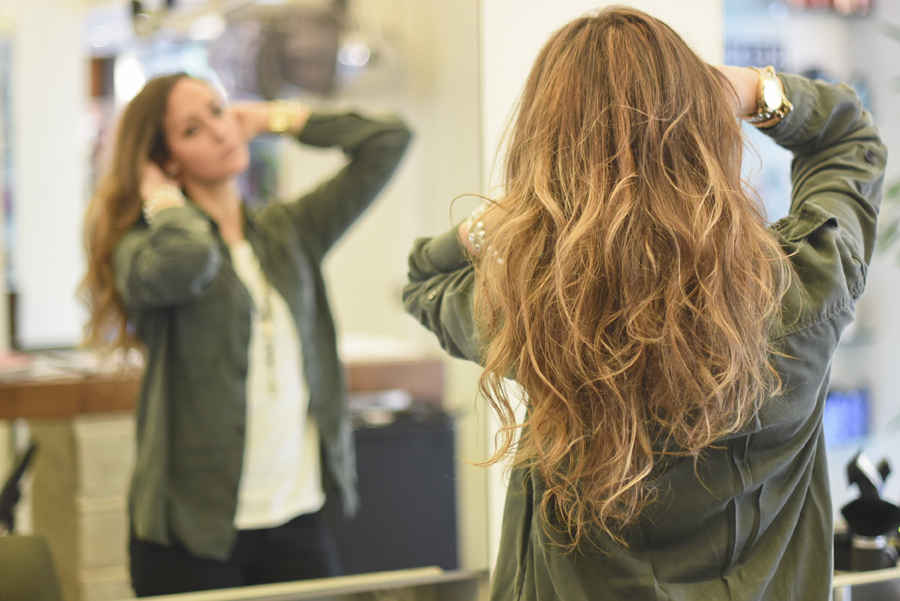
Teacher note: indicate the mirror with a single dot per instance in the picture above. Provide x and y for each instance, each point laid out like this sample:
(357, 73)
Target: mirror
(414, 72)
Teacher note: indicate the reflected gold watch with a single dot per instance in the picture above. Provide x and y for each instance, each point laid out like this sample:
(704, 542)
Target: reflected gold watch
(771, 103)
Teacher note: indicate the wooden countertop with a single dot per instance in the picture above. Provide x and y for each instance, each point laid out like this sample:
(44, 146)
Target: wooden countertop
(68, 394)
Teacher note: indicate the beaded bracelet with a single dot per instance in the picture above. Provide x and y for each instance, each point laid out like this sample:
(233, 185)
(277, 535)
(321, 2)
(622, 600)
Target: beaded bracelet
(475, 227)
(163, 197)
(476, 234)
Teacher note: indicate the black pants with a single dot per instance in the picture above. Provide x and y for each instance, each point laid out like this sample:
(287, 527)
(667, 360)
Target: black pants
(298, 550)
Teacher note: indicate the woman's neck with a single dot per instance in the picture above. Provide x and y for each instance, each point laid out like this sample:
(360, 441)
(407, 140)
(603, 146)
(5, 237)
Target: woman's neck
(222, 202)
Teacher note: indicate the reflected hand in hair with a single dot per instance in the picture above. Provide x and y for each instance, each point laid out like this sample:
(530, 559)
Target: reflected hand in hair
(158, 191)
(153, 179)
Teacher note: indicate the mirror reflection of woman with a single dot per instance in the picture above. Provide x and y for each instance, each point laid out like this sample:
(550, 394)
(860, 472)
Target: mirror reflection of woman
(674, 349)
(241, 423)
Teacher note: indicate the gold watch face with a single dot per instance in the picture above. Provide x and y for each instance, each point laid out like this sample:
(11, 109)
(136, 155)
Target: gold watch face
(772, 95)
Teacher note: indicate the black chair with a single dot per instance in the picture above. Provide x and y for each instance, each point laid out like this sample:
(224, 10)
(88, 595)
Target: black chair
(10, 494)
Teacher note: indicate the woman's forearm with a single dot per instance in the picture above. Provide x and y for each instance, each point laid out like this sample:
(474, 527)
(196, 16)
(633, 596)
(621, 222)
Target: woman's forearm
(744, 82)
(280, 116)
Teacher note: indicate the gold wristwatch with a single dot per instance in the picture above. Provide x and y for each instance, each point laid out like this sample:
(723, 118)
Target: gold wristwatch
(771, 103)
(285, 116)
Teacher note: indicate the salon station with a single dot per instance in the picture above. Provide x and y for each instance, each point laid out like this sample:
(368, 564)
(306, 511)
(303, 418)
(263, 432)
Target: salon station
(428, 526)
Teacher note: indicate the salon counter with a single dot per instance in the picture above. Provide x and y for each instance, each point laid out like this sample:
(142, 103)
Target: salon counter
(67, 395)
(56, 390)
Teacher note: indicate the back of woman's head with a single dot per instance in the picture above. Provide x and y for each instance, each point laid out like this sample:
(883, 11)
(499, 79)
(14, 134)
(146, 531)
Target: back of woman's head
(630, 283)
(116, 207)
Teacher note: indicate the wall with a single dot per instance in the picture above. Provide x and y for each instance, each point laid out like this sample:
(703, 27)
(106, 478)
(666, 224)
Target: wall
(49, 173)
(6, 443)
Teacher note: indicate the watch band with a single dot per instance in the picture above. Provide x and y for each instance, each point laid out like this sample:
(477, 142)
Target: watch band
(765, 116)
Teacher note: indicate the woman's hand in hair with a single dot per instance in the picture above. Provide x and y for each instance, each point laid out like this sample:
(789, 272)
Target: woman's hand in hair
(744, 82)
(255, 118)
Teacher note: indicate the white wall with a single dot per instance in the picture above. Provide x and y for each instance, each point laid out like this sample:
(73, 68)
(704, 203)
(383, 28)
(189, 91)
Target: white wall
(49, 87)
(48, 177)
(512, 33)
(5, 431)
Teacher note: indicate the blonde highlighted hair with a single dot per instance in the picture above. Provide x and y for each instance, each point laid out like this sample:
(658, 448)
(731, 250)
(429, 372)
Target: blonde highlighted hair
(630, 283)
(116, 207)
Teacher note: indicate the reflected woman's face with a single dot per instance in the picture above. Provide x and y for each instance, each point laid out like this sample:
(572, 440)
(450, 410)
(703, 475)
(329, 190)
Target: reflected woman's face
(205, 140)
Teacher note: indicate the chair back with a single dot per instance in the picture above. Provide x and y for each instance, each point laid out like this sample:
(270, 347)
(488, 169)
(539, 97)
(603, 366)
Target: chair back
(27, 571)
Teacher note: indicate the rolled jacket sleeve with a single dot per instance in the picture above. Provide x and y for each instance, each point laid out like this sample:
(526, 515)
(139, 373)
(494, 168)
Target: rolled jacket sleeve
(374, 147)
(837, 176)
(839, 160)
(440, 294)
(169, 263)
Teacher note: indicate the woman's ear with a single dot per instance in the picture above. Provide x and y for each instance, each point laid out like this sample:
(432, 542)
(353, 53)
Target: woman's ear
(172, 169)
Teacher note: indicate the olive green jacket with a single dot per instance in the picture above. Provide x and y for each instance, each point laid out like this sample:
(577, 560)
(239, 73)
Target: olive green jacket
(755, 520)
(193, 313)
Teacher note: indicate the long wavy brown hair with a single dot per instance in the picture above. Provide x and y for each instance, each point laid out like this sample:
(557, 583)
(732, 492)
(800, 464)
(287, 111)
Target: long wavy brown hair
(628, 283)
(116, 207)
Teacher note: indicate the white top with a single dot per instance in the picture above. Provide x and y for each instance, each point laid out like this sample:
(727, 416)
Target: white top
(281, 476)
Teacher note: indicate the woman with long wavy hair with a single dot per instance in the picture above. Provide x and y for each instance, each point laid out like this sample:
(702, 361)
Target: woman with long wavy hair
(242, 426)
(673, 350)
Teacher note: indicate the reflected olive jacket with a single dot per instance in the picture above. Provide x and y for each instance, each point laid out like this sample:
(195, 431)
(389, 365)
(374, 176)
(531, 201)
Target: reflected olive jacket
(193, 313)
(755, 520)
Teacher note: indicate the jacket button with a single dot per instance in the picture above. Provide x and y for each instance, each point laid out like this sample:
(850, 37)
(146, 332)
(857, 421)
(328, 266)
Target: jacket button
(870, 156)
(432, 295)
